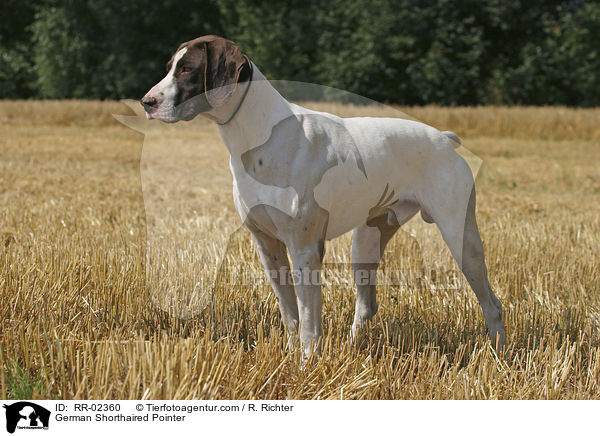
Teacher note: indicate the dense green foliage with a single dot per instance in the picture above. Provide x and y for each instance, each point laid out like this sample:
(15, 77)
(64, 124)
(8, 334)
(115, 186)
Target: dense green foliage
(404, 51)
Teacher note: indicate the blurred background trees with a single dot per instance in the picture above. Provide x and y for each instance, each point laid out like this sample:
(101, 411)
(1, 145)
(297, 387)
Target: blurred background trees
(533, 52)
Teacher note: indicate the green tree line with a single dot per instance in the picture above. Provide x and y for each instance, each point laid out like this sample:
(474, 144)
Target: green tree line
(461, 52)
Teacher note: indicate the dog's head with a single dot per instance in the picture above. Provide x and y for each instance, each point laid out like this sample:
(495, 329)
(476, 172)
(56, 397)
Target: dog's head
(202, 75)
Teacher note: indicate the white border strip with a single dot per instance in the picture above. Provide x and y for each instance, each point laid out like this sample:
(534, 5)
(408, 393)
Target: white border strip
(312, 417)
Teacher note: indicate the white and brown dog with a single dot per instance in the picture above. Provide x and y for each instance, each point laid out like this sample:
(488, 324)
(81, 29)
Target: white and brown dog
(302, 177)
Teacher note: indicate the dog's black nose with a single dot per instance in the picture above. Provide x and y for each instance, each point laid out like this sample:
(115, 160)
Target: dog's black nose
(149, 101)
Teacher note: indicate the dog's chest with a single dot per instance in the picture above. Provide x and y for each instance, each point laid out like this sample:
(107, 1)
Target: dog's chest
(334, 182)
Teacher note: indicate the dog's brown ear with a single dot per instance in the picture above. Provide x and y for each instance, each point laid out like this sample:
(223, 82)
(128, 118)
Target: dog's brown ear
(225, 66)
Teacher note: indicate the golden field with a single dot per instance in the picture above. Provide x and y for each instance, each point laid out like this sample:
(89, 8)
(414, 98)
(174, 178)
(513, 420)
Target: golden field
(106, 291)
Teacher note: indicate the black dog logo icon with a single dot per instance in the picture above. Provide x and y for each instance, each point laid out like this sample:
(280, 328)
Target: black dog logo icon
(33, 416)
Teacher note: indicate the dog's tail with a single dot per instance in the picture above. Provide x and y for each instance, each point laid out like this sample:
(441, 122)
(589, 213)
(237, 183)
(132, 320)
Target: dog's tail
(453, 137)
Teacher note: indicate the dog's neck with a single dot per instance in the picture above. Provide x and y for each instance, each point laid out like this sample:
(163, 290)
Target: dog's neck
(261, 109)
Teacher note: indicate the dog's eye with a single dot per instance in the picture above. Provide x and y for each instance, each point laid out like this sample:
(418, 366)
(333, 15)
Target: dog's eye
(186, 69)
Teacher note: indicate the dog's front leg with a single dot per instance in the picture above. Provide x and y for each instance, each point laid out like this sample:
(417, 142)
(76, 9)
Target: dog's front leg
(274, 258)
(307, 261)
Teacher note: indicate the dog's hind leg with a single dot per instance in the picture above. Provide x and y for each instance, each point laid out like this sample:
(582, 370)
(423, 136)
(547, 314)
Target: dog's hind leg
(452, 206)
(368, 243)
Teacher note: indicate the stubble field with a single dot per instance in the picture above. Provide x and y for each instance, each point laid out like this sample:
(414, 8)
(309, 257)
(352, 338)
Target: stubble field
(121, 284)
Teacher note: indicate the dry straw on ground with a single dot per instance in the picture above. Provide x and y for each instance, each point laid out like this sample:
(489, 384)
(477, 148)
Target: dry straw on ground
(77, 314)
